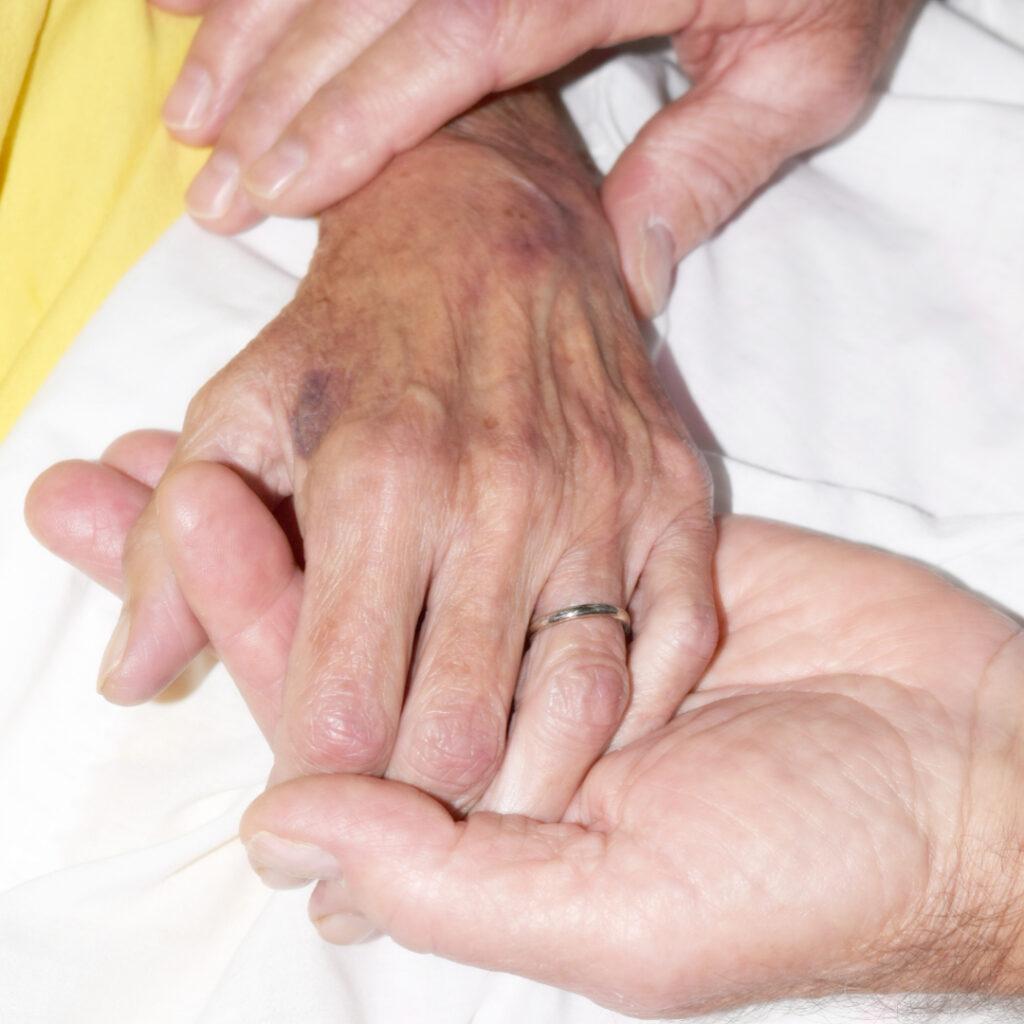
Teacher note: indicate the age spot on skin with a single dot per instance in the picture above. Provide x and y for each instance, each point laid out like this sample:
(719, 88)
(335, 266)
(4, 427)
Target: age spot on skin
(316, 409)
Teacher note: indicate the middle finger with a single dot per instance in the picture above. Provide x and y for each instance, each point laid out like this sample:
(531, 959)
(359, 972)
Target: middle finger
(456, 717)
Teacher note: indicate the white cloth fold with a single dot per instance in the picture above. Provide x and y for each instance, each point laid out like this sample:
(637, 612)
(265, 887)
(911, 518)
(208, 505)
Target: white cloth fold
(852, 350)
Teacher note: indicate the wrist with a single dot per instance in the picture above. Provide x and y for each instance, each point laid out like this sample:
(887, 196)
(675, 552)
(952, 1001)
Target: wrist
(976, 942)
(487, 248)
(509, 178)
(530, 128)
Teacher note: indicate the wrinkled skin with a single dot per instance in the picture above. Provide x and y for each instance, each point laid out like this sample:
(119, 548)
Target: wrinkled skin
(459, 405)
(307, 100)
(836, 806)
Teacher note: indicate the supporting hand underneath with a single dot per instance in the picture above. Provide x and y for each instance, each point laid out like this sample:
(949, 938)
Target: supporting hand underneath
(836, 807)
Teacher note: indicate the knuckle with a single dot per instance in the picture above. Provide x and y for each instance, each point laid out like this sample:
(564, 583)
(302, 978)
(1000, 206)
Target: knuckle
(399, 450)
(586, 697)
(387, 451)
(513, 467)
(719, 177)
(340, 732)
(233, 390)
(230, 413)
(256, 108)
(682, 465)
(457, 746)
(206, 402)
(468, 28)
(336, 115)
(693, 637)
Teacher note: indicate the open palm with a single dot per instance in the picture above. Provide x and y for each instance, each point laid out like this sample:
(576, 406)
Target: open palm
(819, 816)
(835, 806)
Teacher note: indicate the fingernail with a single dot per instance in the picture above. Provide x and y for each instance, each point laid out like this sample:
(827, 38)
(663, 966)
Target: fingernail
(285, 864)
(189, 101)
(345, 929)
(210, 195)
(115, 649)
(276, 170)
(657, 264)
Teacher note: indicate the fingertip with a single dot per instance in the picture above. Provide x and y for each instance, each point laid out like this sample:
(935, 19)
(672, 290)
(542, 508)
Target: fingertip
(46, 501)
(289, 808)
(276, 172)
(240, 217)
(651, 273)
(312, 166)
(82, 512)
(648, 246)
(335, 915)
(345, 929)
(163, 636)
(202, 137)
(141, 454)
(339, 813)
(151, 644)
(215, 200)
(187, 109)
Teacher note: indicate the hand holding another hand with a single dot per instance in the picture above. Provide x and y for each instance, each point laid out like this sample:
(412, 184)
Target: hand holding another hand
(836, 806)
(307, 100)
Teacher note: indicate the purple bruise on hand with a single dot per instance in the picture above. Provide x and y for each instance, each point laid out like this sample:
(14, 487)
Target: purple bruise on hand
(315, 410)
(537, 228)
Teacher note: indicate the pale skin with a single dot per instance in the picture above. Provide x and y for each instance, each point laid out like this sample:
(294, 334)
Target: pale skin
(306, 100)
(459, 408)
(836, 806)
(833, 806)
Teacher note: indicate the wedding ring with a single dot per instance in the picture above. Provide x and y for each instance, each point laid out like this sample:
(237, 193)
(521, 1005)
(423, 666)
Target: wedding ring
(579, 611)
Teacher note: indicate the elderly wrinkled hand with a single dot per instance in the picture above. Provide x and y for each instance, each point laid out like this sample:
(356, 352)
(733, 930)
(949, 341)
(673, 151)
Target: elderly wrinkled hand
(307, 100)
(459, 407)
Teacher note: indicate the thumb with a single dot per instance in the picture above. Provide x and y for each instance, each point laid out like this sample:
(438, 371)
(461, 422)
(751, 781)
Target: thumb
(500, 892)
(689, 170)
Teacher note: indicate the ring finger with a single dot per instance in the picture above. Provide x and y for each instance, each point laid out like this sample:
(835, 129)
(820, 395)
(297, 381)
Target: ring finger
(573, 691)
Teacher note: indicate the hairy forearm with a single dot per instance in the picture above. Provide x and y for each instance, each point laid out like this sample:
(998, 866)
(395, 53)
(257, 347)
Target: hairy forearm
(992, 932)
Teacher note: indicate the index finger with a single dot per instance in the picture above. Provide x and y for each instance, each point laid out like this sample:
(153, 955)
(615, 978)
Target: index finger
(367, 570)
(437, 61)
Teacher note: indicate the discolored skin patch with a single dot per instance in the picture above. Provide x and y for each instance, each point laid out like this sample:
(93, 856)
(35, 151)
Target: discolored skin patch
(316, 408)
(536, 230)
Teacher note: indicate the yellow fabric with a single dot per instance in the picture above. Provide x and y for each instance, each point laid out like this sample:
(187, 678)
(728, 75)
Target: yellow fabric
(88, 177)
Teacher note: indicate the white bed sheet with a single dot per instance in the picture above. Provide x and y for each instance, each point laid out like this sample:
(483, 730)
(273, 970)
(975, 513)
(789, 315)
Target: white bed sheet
(853, 351)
